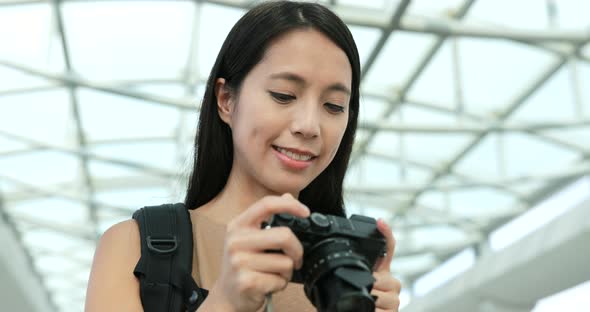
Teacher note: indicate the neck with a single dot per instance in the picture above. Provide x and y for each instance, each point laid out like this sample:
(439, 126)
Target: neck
(239, 193)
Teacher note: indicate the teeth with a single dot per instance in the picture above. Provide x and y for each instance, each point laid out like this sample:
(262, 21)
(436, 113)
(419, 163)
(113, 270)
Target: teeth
(293, 155)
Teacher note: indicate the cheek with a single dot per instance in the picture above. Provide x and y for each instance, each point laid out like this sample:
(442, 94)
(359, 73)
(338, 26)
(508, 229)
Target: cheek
(335, 138)
(254, 127)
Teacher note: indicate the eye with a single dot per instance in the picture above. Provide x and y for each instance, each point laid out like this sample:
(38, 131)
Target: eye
(333, 108)
(281, 97)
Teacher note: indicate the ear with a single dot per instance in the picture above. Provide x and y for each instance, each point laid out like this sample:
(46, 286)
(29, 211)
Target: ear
(225, 106)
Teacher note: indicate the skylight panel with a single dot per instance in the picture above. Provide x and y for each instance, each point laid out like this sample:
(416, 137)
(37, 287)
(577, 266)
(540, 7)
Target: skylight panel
(379, 173)
(433, 8)
(45, 237)
(8, 145)
(41, 116)
(367, 4)
(437, 82)
(15, 81)
(214, 23)
(483, 160)
(104, 44)
(371, 109)
(386, 143)
(433, 199)
(365, 39)
(366, 209)
(480, 202)
(51, 210)
(400, 55)
(415, 264)
(135, 198)
(522, 153)
(41, 168)
(492, 81)
(577, 137)
(571, 14)
(25, 34)
(554, 101)
(158, 155)
(108, 116)
(445, 236)
(434, 149)
(526, 14)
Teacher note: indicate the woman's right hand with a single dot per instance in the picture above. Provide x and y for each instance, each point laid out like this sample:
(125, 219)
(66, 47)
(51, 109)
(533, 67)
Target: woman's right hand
(248, 271)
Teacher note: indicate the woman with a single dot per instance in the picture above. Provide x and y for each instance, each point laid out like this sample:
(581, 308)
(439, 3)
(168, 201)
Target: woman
(275, 134)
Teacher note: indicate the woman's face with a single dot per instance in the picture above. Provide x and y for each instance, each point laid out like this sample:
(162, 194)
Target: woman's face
(291, 114)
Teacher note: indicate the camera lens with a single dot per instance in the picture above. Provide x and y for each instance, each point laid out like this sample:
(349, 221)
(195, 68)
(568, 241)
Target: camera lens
(355, 302)
(336, 279)
(334, 294)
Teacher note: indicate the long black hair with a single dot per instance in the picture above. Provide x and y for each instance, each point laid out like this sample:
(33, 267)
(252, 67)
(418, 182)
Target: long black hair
(243, 48)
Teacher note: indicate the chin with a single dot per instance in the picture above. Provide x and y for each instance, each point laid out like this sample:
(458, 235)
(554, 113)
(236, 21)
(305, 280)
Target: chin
(282, 187)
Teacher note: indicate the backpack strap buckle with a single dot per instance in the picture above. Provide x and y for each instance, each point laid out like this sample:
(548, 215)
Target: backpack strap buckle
(162, 245)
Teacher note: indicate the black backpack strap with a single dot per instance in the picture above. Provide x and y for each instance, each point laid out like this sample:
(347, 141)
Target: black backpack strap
(164, 269)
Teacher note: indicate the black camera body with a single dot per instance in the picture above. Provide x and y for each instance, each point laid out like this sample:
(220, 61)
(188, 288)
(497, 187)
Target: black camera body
(338, 257)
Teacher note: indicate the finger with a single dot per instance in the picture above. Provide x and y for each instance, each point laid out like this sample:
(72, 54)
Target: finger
(268, 206)
(382, 310)
(384, 264)
(385, 300)
(271, 263)
(278, 238)
(257, 284)
(385, 282)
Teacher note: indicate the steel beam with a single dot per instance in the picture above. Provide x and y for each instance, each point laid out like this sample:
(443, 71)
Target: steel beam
(77, 81)
(38, 145)
(22, 287)
(54, 192)
(450, 27)
(572, 172)
(472, 129)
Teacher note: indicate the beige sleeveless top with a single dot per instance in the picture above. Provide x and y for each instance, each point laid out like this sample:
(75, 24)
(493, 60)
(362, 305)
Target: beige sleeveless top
(209, 239)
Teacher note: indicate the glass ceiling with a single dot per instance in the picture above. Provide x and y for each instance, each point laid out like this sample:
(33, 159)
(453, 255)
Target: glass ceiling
(471, 113)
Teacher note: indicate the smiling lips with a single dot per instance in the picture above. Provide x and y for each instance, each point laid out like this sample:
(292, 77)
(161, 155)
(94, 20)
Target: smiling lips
(292, 158)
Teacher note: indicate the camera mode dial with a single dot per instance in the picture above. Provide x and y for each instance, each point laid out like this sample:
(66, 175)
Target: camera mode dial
(319, 221)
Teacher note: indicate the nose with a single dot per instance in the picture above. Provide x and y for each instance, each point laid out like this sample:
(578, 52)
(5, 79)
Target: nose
(306, 121)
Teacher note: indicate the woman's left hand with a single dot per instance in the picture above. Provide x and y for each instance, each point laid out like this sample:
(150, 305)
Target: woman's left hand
(386, 287)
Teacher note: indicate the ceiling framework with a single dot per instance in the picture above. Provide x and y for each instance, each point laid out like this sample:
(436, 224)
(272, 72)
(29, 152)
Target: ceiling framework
(446, 151)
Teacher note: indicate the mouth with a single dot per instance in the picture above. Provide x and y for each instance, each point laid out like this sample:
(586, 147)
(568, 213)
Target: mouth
(294, 154)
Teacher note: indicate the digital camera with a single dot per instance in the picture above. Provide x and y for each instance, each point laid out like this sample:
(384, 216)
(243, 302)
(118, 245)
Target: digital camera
(338, 257)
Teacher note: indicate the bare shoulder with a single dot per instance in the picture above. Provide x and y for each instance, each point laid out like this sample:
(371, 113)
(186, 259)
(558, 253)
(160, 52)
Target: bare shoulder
(112, 285)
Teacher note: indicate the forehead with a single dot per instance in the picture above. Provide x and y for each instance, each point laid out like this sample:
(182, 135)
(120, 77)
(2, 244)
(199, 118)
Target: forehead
(308, 53)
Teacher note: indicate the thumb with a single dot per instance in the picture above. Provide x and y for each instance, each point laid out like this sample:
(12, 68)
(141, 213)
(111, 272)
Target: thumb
(384, 263)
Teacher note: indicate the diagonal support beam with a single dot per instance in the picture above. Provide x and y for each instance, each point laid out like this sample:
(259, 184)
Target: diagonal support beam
(399, 97)
(515, 103)
(472, 129)
(72, 80)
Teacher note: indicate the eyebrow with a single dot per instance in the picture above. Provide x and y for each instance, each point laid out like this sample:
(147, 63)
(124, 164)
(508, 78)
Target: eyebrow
(300, 81)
